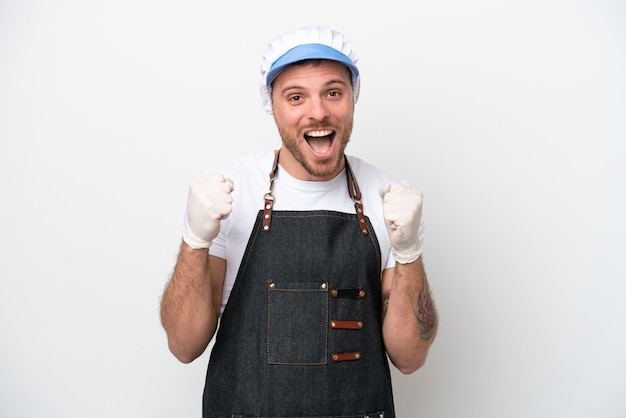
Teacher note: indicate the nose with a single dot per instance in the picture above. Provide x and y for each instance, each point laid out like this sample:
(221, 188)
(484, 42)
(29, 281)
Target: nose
(318, 110)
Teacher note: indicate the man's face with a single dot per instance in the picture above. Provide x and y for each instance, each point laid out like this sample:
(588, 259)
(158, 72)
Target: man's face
(313, 109)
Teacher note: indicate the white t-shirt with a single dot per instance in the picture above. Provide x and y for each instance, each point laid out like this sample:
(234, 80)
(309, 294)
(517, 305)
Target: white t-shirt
(250, 175)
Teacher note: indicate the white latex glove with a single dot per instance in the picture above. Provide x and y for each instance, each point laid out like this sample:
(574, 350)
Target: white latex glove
(402, 210)
(208, 202)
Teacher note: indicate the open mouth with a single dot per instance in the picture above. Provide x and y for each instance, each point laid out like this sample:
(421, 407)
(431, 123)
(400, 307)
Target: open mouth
(320, 141)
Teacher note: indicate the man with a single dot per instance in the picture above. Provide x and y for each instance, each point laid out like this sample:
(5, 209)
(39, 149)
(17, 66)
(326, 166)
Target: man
(314, 282)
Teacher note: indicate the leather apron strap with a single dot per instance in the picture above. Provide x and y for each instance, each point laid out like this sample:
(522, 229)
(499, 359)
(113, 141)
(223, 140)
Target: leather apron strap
(353, 191)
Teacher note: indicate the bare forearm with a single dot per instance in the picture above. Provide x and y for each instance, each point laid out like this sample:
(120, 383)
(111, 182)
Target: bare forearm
(410, 319)
(187, 312)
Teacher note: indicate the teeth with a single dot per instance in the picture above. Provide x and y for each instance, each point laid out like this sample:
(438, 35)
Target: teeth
(319, 133)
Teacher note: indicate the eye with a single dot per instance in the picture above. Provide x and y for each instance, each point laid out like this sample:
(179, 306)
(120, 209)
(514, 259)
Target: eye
(335, 94)
(295, 98)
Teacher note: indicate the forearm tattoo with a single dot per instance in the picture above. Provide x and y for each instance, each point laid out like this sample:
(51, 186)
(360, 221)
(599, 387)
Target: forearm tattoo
(424, 311)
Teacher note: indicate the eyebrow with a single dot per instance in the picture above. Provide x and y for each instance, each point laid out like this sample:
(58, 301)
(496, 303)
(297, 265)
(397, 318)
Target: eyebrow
(327, 84)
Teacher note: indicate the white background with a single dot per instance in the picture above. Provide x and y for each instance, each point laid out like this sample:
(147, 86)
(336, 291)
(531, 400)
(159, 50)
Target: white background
(510, 116)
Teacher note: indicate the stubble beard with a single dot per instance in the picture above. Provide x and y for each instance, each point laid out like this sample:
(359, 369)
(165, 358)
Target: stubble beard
(325, 169)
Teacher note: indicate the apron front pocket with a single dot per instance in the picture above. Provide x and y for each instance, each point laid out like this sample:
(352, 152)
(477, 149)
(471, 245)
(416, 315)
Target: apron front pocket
(297, 324)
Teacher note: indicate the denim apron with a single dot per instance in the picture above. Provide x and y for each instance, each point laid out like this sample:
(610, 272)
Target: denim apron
(301, 334)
